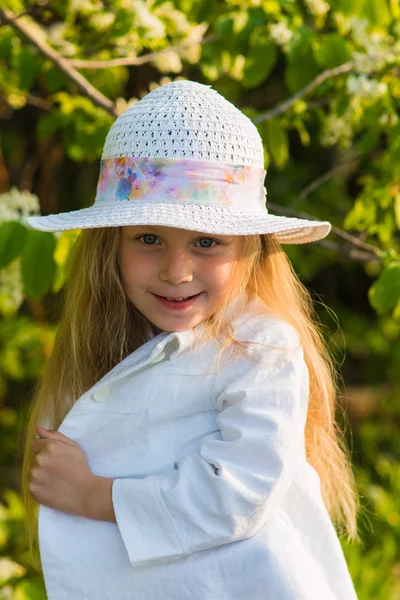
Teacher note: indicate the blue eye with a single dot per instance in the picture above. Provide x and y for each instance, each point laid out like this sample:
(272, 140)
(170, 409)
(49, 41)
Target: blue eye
(148, 238)
(208, 242)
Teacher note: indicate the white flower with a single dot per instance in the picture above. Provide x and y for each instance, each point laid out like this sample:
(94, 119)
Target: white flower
(6, 593)
(318, 8)
(9, 569)
(384, 119)
(366, 88)
(144, 18)
(359, 30)
(11, 296)
(85, 6)
(280, 33)
(56, 34)
(336, 130)
(169, 62)
(388, 119)
(16, 205)
(102, 20)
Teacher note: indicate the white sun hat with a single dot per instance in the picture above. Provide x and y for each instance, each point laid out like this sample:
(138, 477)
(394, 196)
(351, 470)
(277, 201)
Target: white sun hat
(184, 157)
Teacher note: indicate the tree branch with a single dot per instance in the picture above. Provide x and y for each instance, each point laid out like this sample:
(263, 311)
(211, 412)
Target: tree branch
(367, 252)
(352, 253)
(373, 251)
(63, 64)
(39, 102)
(322, 179)
(139, 60)
(344, 68)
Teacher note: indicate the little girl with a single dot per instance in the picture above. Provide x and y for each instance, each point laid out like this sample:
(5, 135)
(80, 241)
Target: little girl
(193, 452)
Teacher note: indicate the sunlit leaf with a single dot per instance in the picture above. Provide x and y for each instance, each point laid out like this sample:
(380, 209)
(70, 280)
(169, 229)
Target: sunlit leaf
(27, 590)
(332, 51)
(384, 294)
(259, 62)
(277, 142)
(12, 240)
(38, 266)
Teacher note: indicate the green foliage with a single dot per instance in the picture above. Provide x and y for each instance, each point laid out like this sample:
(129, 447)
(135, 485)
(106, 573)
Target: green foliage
(261, 55)
(12, 239)
(374, 566)
(83, 127)
(18, 578)
(332, 51)
(385, 292)
(38, 266)
(277, 142)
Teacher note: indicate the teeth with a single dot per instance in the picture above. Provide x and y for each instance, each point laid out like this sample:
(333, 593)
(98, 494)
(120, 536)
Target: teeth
(178, 299)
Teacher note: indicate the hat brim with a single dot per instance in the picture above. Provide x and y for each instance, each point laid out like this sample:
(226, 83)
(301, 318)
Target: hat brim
(211, 219)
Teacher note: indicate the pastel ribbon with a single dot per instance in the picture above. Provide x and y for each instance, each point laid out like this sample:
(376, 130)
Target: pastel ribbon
(180, 180)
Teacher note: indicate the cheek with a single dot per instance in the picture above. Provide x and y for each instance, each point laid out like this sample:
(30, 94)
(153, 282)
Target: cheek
(219, 274)
(135, 270)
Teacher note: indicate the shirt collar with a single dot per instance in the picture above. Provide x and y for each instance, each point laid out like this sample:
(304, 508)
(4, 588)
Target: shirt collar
(175, 343)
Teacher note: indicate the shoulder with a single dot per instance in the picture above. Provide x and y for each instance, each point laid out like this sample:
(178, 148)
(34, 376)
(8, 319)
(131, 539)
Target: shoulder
(268, 345)
(258, 327)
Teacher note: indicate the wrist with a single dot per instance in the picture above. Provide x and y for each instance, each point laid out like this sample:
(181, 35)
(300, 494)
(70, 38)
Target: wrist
(98, 503)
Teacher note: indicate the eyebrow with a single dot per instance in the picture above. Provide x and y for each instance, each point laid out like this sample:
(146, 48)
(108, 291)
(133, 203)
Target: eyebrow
(159, 231)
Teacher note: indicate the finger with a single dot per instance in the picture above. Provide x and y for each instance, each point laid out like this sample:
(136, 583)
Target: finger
(56, 436)
(36, 446)
(39, 445)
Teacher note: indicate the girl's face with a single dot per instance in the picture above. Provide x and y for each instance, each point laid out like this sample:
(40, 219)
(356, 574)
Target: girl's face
(160, 263)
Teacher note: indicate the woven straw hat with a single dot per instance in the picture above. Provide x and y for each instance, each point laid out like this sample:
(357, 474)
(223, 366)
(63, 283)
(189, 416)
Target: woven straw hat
(184, 157)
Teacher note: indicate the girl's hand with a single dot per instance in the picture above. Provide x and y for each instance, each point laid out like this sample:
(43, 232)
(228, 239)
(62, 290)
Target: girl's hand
(60, 476)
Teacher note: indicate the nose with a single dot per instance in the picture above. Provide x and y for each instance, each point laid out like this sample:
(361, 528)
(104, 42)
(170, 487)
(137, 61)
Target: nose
(176, 267)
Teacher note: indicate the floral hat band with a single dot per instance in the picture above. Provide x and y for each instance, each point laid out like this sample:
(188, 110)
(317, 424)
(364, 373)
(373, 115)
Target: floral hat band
(191, 181)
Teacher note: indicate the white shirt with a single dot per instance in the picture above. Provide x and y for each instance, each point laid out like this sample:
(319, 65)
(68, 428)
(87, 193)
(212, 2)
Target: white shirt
(213, 495)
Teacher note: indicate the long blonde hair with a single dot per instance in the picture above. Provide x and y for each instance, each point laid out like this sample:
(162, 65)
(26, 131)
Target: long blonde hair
(99, 327)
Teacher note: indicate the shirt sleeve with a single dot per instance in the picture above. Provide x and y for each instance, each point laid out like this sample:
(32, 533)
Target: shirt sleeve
(227, 490)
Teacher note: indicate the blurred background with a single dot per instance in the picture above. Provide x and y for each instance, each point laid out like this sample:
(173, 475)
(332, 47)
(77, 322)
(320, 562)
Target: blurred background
(321, 80)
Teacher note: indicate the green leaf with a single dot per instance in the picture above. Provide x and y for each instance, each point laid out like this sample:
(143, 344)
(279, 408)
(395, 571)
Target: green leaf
(27, 590)
(12, 240)
(84, 126)
(224, 26)
(363, 215)
(277, 142)
(384, 294)
(385, 228)
(332, 52)
(52, 77)
(259, 63)
(27, 64)
(6, 41)
(299, 71)
(14, 6)
(122, 23)
(51, 123)
(38, 267)
(397, 211)
(377, 12)
(368, 140)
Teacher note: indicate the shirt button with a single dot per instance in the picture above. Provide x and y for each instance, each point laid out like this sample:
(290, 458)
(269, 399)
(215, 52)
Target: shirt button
(101, 394)
(158, 358)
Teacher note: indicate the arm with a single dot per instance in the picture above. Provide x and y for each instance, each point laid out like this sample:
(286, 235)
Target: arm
(98, 503)
(227, 490)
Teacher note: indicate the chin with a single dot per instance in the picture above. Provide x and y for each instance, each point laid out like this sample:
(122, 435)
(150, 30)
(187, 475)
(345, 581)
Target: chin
(176, 328)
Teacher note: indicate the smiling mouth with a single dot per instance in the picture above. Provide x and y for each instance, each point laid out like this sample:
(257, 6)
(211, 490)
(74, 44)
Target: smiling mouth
(177, 298)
